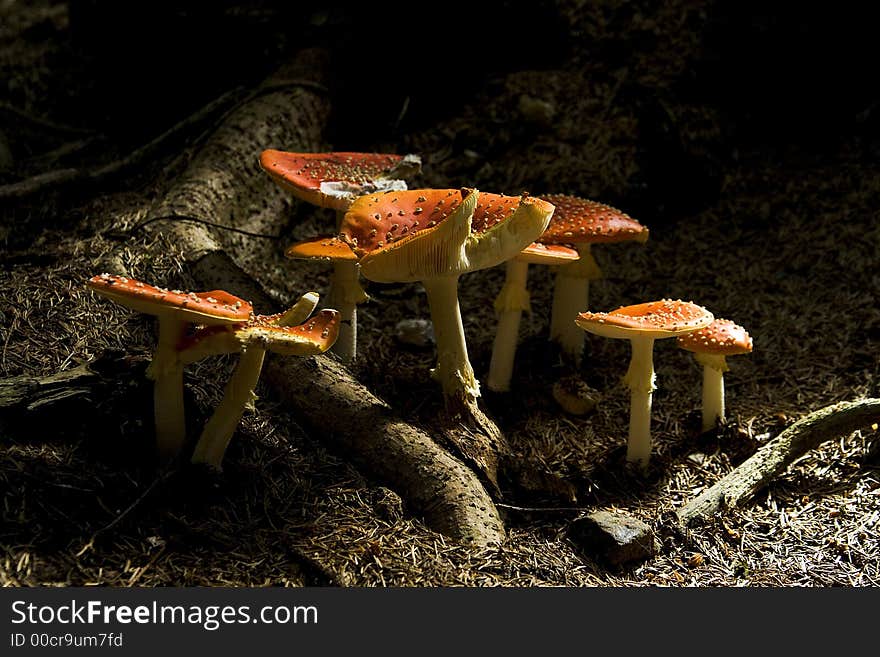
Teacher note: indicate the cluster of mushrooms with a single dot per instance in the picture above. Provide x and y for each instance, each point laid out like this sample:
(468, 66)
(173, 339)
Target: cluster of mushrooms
(390, 234)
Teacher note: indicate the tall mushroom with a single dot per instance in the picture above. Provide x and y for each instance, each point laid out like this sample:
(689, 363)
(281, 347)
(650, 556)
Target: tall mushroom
(175, 310)
(711, 347)
(253, 339)
(641, 324)
(434, 236)
(512, 301)
(334, 180)
(581, 222)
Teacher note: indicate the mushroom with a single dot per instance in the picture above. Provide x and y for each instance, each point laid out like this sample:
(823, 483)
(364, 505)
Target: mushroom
(434, 236)
(711, 346)
(581, 222)
(641, 324)
(175, 310)
(253, 339)
(334, 180)
(510, 303)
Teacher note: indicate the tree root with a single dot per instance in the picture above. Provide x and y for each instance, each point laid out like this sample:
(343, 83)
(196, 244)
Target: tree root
(774, 457)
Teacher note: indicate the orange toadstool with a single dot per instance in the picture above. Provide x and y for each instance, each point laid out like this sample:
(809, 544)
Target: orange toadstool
(262, 333)
(641, 324)
(434, 236)
(175, 310)
(455, 240)
(334, 180)
(581, 222)
(711, 347)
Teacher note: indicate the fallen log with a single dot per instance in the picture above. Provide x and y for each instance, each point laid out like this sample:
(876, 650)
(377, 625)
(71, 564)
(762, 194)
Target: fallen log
(223, 183)
(775, 456)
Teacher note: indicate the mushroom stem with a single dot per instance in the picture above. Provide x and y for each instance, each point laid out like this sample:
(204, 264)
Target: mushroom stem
(239, 392)
(345, 294)
(714, 367)
(166, 371)
(640, 379)
(453, 371)
(510, 304)
(570, 297)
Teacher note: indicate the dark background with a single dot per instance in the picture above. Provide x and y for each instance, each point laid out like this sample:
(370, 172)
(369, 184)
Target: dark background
(777, 77)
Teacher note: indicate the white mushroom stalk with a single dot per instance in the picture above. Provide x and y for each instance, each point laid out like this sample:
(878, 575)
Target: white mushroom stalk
(166, 373)
(642, 324)
(335, 180)
(711, 347)
(453, 370)
(571, 295)
(346, 294)
(640, 379)
(714, 367)
(510, 304)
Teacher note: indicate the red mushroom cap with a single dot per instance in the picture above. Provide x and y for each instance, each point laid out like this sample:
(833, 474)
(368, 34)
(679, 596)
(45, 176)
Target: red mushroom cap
(581, 220)
(303, 173)
(375, 221)
(214, 307)
(422, 233)
(659, 319)
(492, 209)
(547, 254)
(325, 247)
(722, 337)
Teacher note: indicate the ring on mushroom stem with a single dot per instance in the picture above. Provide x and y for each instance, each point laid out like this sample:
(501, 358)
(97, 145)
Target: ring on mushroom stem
(174, 310)
(334, 180)
(711, 346)
(512, 301)
(641, 324)
(581, 222)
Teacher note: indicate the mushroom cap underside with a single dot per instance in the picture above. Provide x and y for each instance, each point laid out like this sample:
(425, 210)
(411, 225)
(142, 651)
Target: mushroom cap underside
(580, 220)
(666, 318)
(214, 307)
(722, 337)
(547, 254)
(314, 336)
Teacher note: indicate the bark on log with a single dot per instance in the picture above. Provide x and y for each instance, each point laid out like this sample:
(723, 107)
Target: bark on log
(225, 184)
(774, 457)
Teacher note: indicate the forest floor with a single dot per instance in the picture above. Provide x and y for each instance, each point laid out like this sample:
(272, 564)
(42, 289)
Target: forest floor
(784, 243)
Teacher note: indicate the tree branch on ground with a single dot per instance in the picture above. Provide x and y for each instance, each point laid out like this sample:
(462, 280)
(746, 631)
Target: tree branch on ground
(774, 457)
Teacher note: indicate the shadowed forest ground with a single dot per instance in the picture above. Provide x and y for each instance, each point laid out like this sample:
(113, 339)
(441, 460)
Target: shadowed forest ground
(736, 134)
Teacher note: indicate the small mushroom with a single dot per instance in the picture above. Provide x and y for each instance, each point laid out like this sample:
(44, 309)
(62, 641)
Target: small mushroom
(175, 310)
(512, 301)
(641, 324)
(711, 347)
(434, 236)
(334, 180)
(581, 222)
(253, 339)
